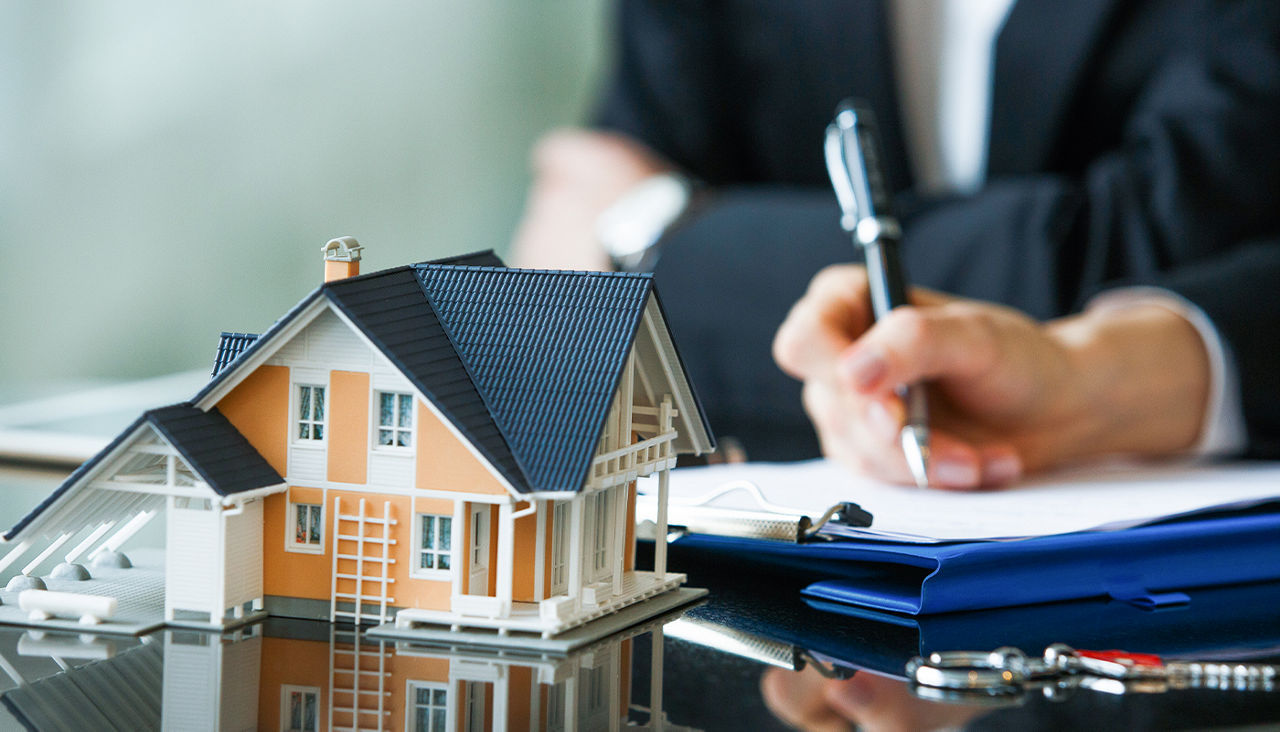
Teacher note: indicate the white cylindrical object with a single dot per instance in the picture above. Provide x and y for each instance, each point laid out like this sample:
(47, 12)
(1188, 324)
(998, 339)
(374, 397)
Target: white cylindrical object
(41, 604)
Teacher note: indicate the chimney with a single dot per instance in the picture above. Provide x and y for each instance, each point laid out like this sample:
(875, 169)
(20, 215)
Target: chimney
(341, 258)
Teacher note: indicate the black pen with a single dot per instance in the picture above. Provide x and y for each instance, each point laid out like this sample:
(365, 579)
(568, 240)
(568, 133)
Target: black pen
(853, 160)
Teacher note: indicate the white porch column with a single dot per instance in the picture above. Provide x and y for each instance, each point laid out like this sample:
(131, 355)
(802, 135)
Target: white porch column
(656, 715)
(506, 548)
(501, 695)
(577, 529)
(660, 541)
(619, 534)
(540, 515)
(457, 547)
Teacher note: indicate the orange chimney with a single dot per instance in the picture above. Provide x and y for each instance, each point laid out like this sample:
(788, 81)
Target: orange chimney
(341, 258)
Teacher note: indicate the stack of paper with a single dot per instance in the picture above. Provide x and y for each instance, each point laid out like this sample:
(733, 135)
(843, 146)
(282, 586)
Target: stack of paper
(1100, 498)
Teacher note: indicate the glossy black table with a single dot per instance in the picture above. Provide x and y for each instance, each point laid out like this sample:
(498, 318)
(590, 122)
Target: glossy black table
(753, 656)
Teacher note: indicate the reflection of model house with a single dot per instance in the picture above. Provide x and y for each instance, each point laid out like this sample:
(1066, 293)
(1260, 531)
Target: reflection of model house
(455, 441)
(307, 677)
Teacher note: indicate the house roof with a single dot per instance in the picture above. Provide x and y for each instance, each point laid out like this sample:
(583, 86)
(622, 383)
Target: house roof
(392, 310)
(121, 692)
(522, 362)
(213, 448)
(546, 350)
(230, 346)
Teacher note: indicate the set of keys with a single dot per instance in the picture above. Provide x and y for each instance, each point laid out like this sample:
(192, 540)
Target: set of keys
(1006, 674)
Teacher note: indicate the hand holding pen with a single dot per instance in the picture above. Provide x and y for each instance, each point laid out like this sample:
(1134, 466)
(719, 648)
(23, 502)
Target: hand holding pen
(852, 151)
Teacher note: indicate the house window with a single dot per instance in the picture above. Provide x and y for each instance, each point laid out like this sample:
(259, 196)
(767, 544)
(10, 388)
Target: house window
(310, 412)
(559, 547)
(299, 708)
(429, 707)
(395, 419)
(603, 521)
(307, 521)
(435, 542)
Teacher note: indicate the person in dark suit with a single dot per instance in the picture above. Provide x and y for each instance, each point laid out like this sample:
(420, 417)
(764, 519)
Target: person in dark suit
(1130, 142)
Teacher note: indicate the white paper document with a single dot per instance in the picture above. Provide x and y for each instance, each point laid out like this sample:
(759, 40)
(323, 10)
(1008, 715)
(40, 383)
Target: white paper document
(1097, 498)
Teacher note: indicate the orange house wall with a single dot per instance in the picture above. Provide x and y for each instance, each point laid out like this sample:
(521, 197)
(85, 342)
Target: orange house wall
(259, 409)
(309, 576)
(296, 663)
(348, 446)
(519, 712)
(445, 463)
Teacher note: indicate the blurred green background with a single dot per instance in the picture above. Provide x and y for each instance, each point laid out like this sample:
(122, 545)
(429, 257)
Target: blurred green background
(170, 170)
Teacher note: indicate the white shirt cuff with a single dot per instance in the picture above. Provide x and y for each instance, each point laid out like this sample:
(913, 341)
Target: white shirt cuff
(1223, 431)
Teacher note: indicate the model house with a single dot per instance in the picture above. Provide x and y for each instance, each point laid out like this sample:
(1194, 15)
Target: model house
(451, 443)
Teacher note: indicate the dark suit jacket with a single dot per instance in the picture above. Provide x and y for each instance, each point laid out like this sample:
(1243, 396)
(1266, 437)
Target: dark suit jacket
(1132, 141)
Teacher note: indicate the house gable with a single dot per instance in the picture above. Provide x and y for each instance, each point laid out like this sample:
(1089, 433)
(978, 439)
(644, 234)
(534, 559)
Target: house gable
(322, 347)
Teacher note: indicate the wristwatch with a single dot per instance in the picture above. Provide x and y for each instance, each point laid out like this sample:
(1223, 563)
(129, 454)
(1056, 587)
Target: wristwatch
(630, 228)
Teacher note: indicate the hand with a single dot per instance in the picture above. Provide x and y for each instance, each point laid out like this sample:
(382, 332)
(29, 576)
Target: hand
(806, 700)
(1008, 395)
(577, 175)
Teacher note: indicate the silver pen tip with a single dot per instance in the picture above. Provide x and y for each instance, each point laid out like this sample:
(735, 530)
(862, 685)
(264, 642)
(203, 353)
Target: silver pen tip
(915, 445)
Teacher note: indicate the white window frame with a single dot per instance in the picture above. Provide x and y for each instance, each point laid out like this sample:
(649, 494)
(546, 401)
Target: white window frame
(601, 547)
(291, 542)
(411, 704)
(559, 548)
(378, 427)
(434, 573)
(286, 690)
(295, 415)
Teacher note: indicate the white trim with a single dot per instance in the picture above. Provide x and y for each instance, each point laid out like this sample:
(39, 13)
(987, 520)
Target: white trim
(682, 392)
(157, 489)
(383, 489)
(253, 495)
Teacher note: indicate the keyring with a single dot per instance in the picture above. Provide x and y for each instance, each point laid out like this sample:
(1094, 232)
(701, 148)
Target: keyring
(1004, 669)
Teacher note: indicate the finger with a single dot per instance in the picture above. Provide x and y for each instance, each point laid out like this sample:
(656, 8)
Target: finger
(1001, 465)
(954, 464)
(913, 344)
(858, 432)
(824, 322)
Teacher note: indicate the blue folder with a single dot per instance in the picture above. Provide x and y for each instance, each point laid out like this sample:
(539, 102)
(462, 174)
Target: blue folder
(1149, 566)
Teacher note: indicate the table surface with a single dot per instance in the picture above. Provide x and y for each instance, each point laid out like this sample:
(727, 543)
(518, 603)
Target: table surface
(753, 655)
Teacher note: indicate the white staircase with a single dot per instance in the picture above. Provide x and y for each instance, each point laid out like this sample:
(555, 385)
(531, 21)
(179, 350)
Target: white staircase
(361, 563)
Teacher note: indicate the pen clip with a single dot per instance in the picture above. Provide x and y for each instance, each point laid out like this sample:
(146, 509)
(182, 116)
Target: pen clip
(841, 177)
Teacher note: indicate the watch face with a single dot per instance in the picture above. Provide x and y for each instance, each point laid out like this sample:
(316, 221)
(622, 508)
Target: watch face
(636, 220)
